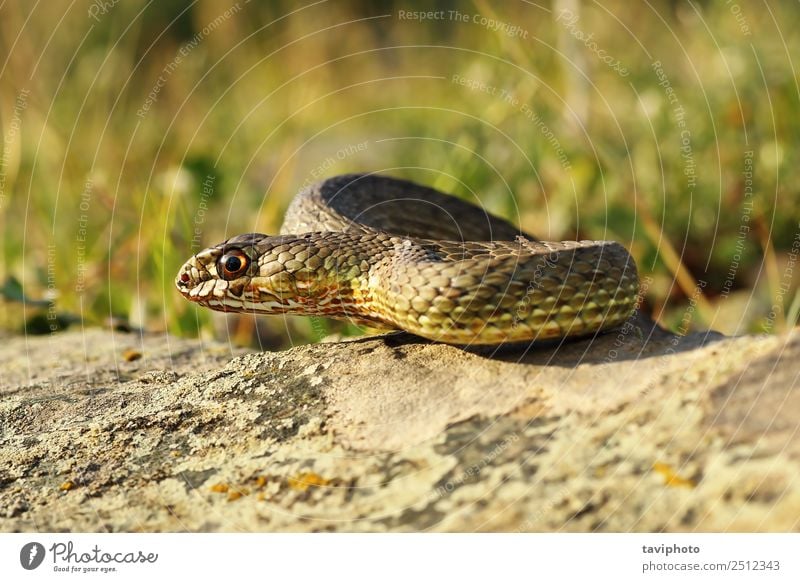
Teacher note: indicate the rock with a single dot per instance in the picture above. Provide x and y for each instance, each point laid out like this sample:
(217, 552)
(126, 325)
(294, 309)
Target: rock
(634, 430)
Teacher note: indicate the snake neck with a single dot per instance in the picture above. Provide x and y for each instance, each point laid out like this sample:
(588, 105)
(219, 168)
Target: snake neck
(323, 274)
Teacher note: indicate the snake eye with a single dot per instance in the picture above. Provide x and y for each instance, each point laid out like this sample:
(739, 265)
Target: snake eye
(232, 264)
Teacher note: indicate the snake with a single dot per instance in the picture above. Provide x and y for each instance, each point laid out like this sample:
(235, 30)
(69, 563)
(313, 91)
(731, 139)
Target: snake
(396, 255)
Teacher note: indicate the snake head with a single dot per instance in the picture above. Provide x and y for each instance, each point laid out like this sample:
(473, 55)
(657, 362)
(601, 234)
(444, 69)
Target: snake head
(264, 274)
(230, 277)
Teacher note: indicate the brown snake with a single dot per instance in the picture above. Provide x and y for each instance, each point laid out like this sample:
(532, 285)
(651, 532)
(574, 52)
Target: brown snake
(393, 254)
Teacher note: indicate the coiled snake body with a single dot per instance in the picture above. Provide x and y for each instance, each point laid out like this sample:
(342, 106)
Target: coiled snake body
(393, 254)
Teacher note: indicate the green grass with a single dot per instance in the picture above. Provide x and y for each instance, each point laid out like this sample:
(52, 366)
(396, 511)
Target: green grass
(261, 107)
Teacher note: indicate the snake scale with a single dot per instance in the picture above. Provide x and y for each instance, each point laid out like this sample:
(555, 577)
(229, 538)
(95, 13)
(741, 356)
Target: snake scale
(389, 253)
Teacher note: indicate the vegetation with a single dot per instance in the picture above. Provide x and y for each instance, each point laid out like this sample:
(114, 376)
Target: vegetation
(137, 132)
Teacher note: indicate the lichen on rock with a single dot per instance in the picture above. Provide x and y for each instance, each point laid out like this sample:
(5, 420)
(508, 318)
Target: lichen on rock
(633, 430)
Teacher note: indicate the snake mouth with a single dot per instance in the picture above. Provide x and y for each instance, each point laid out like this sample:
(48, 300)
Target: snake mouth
(197, 285)
(195, 275)
(182, 281)
(188, 278)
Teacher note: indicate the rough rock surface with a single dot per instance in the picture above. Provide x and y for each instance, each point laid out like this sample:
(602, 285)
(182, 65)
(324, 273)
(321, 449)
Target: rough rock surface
(633, 430)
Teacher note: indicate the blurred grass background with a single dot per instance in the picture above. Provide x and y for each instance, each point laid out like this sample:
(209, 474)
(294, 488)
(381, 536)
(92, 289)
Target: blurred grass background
(136, 133)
